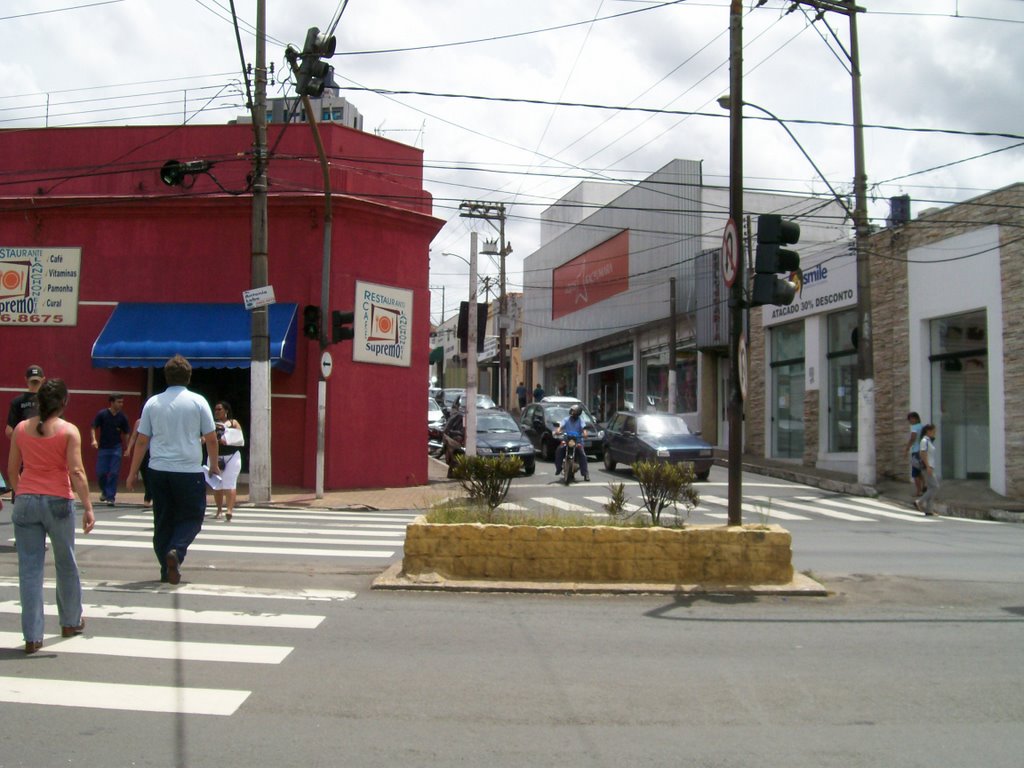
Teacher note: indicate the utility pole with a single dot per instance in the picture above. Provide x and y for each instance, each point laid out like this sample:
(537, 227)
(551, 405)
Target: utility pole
(471, 374)
(496, 212)
(259, 369)
(736, 299)
(866, 459)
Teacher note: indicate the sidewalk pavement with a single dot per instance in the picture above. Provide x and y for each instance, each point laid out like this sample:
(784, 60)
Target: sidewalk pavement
(956, 498)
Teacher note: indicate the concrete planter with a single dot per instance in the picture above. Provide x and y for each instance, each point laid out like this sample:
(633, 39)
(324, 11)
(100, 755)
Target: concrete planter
(699, 554)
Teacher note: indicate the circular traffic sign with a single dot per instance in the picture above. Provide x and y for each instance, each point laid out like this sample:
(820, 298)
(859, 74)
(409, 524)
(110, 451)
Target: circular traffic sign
(326, 364)
(730, 253)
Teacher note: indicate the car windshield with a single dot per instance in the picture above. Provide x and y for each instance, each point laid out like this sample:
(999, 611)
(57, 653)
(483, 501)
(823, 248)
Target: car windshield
(483, 401)
(558, 415)
(495, 422)
(433, 407)
(662, 424)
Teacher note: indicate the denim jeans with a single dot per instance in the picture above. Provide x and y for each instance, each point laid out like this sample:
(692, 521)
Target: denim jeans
(34, 517)
(108, 471)
(179, 505)
(581, 459)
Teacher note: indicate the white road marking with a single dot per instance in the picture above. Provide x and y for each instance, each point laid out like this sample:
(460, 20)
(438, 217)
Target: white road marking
(508, 506)
(238, 653)
(394, 540)
(133, 698)
(818, 510)
(551, 501)
(602, 500)
(199, 546)
(910, 517)
(203, 590)
(754, 510)
(271, 529)
(184, 615)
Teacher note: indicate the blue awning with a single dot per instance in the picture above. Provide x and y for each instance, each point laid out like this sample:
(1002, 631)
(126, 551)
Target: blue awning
(144, 335)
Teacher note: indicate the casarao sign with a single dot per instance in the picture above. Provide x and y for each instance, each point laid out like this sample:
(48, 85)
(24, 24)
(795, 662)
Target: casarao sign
(828, 283)
(591, 277)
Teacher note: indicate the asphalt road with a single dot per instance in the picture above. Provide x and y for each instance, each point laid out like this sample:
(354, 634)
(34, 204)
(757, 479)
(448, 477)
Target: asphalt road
(270, 659)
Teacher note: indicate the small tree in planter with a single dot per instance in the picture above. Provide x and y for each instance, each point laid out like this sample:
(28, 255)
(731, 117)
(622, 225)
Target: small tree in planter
(486, 478)
(663, 484)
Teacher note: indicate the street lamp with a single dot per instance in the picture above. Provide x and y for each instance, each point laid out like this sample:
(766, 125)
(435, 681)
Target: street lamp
(725, 102)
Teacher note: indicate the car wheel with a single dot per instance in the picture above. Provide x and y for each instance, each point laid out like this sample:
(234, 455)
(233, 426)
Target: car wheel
(529, 468)
(703, 476)
(609, 462)
(547, 449)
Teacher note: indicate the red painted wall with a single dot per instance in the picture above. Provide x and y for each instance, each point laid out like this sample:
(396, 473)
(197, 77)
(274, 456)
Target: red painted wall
(99, 189)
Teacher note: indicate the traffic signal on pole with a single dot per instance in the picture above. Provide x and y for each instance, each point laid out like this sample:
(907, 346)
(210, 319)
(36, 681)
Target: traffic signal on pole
(341, 326)
(772, 233)
(313, 73)
(311, 321)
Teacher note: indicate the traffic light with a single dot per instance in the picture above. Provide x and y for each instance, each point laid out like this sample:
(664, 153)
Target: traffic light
(311, 321)
(341, 326)
(773, 233)
(314, 74)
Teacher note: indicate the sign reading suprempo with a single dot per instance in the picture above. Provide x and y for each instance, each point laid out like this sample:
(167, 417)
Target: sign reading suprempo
(383, 325)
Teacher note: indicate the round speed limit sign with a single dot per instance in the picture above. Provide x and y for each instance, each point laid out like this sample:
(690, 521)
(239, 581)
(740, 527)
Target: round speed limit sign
(730, 253)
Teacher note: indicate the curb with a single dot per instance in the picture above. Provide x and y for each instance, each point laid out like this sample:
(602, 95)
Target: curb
(393, 579)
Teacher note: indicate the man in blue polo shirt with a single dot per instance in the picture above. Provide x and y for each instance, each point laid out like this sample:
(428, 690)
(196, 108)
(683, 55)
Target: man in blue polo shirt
(174, 426)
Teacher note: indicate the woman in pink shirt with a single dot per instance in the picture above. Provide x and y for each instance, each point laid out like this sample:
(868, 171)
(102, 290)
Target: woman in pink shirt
(44, 465)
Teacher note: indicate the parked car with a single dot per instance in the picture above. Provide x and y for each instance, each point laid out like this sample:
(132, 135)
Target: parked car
(435, 426)
(630, 437)
(497, 433)
(453, 398)
(539, 421)
(447, 397)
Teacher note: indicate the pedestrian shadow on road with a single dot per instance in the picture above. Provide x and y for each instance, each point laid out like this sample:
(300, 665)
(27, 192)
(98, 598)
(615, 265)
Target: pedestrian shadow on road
(691, 600)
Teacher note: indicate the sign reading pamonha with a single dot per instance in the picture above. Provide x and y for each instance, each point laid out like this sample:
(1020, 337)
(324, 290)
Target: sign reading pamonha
(39, 286)
(383, 325)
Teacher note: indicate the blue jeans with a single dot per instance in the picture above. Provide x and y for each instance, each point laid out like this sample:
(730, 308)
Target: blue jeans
(581, 459)
(108, 471)
(179, 505)
(34, 517)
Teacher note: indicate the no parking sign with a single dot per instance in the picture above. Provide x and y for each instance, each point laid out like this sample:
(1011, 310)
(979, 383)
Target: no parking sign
(730, 253)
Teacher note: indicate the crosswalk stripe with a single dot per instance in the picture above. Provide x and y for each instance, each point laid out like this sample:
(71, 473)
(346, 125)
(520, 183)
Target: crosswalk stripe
(200, 546)
(508, 506)
(133, 698)
(270, 538)
(816, 509)
(201, 590)
(395, 531)
(751, 509)
(100, 645)
(240, 517)
(909, 517)
(551, 501)
(602, 500)
(184, 615)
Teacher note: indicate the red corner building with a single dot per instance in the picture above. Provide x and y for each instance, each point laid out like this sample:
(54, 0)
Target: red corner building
(106, 271)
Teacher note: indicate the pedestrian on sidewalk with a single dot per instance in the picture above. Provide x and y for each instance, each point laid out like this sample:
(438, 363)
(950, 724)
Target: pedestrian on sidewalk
(929, 466)
(538, 393)
(25, 405)
(45, 465)
(111, 443)
(521, 394)
(175, 425)
(913, 449)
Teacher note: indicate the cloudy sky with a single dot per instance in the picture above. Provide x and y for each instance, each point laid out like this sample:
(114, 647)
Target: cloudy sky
(938, 75)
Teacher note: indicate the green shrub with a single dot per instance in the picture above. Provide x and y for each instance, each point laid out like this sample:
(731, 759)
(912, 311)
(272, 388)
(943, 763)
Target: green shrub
(617, 500)
(663, 484)
(486, 478)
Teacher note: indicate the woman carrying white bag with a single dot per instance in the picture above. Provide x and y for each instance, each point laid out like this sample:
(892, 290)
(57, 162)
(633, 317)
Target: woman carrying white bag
(230, 437)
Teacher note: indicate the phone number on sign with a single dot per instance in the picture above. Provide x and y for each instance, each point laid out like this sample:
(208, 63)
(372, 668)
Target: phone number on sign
(9, 319)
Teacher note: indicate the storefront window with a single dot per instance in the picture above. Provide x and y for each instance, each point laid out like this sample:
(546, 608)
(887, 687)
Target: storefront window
(787, 382)
(656, 377)
(842, 382)
(959, 379)
(610, 390)
(561, 380)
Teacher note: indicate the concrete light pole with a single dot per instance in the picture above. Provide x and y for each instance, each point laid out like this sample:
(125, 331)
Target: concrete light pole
(259, 367)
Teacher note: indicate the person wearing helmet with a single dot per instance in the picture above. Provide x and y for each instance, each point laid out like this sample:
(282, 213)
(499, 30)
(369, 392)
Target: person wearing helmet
(572, 425)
